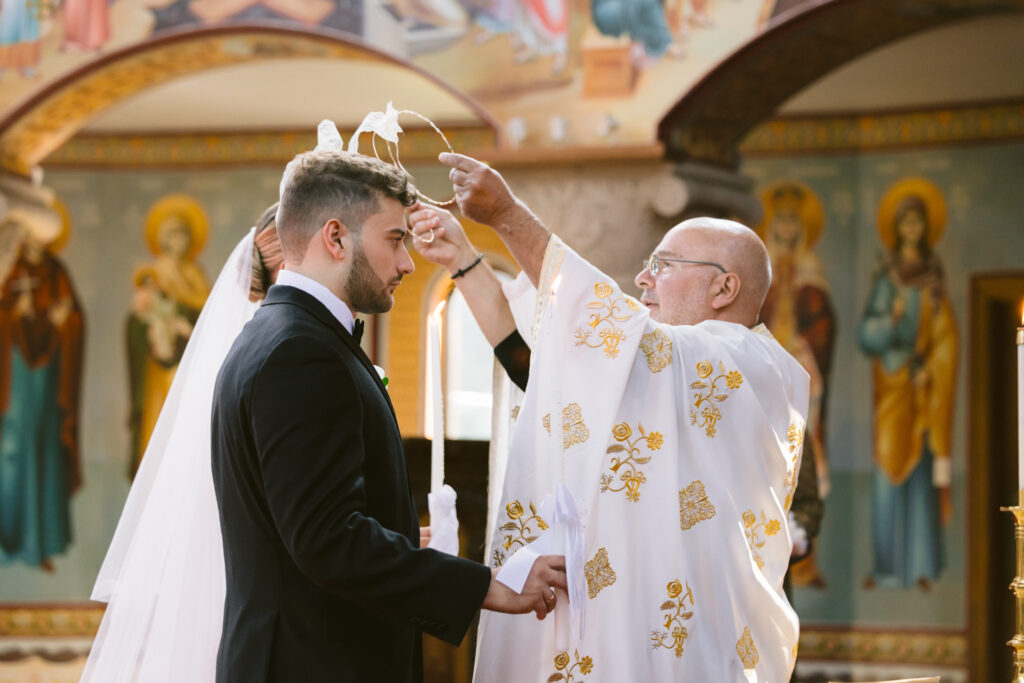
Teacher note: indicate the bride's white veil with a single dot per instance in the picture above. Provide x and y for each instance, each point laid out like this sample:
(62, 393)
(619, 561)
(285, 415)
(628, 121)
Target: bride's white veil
(163, 576)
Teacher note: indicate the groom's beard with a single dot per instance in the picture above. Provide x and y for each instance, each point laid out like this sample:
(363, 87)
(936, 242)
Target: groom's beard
(366, 291)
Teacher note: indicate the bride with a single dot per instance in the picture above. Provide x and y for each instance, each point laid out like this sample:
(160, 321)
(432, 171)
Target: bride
(163, 576)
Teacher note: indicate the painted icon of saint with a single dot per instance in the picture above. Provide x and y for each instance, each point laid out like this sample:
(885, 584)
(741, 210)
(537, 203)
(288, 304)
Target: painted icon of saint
(909, 331)
(41, 337)
(799, 312)
(169, 294)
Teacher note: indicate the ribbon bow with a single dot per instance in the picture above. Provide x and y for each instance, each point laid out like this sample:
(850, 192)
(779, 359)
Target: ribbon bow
(565, 515)
(383, 124)
(444, 524)
(328, 138)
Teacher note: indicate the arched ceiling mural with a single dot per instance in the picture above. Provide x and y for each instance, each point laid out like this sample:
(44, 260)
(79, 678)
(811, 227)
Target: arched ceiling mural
(801, 45)
(553, 72)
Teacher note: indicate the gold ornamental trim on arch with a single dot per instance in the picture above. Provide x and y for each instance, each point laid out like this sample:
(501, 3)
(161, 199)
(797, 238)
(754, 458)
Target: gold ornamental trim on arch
(49, 123)
(231, 149)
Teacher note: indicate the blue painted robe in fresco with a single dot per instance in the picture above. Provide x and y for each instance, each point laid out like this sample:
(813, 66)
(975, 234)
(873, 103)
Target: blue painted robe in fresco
(40, 372)
(914, 378)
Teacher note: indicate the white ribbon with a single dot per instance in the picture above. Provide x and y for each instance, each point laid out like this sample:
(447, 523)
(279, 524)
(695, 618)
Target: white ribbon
(383, 124)
(566, 517)
(444, 523)
(328, 138)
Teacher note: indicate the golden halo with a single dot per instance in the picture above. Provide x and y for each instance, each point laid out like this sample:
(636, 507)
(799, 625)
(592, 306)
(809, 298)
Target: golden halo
(398, 162)
(62, 238)
(934, 205)
(184, 207)
(812, 214)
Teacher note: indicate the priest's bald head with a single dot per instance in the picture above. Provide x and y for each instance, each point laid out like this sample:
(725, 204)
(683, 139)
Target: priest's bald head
(706, 269)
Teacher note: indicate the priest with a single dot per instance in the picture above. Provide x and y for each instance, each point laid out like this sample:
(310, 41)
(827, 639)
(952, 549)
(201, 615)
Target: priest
(657, 446)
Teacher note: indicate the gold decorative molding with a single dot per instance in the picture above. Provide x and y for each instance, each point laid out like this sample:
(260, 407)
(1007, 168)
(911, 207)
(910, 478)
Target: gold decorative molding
(82, 620)
(886, 130)
(213, 149)
(894, 646)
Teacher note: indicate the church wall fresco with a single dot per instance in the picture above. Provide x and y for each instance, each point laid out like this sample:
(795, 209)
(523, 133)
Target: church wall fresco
(561, 71)
(832, 202)
(880, 389)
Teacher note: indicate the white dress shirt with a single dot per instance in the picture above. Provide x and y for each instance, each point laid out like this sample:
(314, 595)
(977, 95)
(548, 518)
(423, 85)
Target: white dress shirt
(338, 308)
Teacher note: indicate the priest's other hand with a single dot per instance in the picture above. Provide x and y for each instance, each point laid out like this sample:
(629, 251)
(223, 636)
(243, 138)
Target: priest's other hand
(438, 237)
(424, 536)
(480, 191)
(548, 572)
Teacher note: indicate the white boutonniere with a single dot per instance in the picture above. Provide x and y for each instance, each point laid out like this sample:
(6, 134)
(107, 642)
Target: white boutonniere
(383, 376)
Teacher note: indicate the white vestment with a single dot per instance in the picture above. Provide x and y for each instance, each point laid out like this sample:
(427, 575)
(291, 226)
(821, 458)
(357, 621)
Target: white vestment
(681, 445)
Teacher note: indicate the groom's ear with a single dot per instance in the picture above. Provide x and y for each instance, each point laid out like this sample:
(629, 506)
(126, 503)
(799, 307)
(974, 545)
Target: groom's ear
(334, 234)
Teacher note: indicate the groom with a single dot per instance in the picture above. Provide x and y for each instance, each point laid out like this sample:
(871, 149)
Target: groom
(324, 578)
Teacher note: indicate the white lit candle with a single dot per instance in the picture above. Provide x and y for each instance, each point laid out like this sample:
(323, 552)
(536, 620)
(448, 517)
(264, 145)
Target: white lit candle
(436, 404)
(1020, 407)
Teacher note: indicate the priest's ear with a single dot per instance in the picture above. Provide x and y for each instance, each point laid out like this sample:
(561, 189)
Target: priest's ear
(725, 290)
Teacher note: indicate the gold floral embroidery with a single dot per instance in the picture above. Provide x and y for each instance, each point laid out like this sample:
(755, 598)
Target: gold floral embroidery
(746, 649)
(630, 475)
(708, 393)
(574, 430)
(753, 529)
(657, 347)
(519, 528)
(546, 421)
(566, 670)
(796, 438)
(633, 304)
(515, 413)
(694, 506)
(609, 335)
(679, 609)
(599, 573)
(796, 441)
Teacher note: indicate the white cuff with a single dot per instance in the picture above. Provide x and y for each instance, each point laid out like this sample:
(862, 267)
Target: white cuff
(517, 567)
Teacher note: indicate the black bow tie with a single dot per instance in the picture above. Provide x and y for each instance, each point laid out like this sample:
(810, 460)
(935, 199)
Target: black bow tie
(357, 330)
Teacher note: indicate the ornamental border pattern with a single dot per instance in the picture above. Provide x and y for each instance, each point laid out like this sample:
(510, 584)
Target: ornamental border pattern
(49, 622)
(419, 145)
(886, 130)
(938, 648)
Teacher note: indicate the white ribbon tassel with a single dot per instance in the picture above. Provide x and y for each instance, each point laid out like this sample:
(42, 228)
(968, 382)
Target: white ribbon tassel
(383, 124)
(566, 525)
(444, 524)
(328, 138)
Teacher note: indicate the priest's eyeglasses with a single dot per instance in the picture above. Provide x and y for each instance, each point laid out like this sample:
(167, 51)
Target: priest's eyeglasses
(653, 263)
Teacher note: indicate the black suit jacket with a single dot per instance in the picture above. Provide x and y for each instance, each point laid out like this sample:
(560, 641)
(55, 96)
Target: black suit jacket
(325, 581)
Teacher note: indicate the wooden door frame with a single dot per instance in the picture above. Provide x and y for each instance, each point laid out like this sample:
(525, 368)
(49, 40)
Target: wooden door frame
(998, 285)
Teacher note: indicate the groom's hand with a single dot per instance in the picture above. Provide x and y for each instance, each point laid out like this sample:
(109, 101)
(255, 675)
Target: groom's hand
(538, 596)
(480, 191)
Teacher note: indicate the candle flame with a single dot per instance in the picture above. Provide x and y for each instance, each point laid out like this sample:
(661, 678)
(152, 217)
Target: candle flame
(440, 309)
(1022, 312)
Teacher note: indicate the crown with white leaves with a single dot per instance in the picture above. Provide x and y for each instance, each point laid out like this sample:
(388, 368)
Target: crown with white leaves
(383, 125)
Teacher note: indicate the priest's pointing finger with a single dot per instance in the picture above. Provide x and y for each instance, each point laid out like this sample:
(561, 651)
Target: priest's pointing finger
(459, 161)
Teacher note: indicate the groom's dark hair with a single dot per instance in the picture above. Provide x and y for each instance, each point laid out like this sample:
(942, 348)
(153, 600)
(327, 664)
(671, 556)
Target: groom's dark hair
(321, 185)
